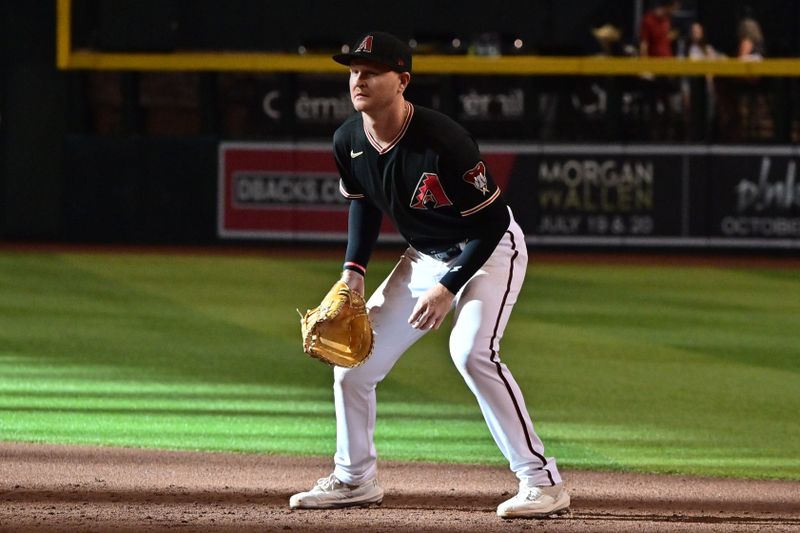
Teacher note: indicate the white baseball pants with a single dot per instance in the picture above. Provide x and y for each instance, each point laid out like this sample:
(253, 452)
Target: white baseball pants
(482, 309)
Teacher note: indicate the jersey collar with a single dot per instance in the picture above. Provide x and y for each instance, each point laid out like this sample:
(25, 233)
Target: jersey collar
(382, 150)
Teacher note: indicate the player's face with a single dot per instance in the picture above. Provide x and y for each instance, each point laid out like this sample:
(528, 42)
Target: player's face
(373, 86)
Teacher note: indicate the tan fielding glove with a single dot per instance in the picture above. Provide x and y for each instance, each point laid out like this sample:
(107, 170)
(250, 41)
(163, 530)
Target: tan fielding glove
(338, 331)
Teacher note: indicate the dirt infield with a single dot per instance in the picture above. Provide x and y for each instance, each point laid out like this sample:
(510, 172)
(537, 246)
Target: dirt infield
(65, 488)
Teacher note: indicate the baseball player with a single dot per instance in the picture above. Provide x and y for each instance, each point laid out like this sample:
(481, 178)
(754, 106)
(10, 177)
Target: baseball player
(424, 172)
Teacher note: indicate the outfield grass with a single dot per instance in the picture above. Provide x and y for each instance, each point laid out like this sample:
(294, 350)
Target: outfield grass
(658, 369)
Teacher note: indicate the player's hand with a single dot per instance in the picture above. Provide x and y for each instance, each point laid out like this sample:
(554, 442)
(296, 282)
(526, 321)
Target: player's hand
(431, 308)
(354, 280)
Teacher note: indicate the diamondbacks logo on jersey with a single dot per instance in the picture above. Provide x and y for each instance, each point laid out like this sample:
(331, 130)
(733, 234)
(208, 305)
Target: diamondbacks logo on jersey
(365, 46)
(476, 177)
(429, 193)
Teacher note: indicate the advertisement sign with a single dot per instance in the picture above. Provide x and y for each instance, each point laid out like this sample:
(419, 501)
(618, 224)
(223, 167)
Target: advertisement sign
(306, 105)
(756, 195)
(320, 103)
(608, 195)
(572, 195)
(600, 194)
(280, 191)
(254, 105)
(494, 106)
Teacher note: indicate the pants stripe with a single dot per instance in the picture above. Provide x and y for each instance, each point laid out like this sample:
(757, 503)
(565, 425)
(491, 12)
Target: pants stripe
(493, 358)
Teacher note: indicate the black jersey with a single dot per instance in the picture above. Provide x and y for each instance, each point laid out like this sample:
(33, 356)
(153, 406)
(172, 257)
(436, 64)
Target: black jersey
(430, 181)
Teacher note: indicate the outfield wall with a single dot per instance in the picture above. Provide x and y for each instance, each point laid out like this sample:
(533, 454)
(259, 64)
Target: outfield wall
(562, 195)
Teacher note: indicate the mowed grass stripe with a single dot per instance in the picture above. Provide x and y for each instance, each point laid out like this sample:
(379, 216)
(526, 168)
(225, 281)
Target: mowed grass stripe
(690, 370)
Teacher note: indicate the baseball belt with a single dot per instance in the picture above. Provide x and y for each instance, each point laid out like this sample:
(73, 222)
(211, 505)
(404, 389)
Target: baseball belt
(446, 254)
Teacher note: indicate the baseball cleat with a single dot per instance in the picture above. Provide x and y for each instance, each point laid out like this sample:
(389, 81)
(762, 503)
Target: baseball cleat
(330, 493)
(535, 502)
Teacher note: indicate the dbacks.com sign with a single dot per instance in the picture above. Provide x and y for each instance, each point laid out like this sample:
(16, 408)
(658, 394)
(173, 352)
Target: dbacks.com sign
(254, 189)
(279, 191)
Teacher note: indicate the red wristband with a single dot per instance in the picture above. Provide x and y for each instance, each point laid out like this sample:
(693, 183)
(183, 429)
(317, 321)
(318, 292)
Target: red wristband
(349, 265)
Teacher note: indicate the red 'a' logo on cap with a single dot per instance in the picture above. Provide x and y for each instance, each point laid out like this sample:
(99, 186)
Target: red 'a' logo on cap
(365, 46)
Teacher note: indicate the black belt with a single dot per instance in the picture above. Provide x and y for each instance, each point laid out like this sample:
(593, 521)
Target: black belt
(445, 255)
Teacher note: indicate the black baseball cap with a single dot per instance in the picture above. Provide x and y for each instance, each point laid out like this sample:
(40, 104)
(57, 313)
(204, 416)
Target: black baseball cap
(379, 47)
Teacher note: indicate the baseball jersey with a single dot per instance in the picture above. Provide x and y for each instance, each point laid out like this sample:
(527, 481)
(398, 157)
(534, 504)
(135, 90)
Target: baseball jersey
(430, 181)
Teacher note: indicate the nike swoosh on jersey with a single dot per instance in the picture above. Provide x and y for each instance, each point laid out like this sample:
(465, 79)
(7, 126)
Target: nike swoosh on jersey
(353, 154)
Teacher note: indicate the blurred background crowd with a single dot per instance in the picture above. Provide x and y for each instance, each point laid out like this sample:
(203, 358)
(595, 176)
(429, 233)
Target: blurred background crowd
(548, 108)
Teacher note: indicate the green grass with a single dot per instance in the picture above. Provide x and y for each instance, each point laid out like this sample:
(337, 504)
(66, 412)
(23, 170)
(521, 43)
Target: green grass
(655, 369)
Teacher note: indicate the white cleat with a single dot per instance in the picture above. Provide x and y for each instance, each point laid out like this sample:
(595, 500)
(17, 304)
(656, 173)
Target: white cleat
(535, 502)
(330, 493)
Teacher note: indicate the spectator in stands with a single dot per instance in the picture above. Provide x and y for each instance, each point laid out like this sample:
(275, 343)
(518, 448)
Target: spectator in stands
(699, 48)
(751, 40)
(699, 99)
(655, 33)
(743, 103)
(655, 40)
(608, 38)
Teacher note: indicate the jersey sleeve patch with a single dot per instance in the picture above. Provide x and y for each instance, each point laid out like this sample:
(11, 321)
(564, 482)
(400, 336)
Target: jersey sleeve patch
(346, 194)
(481, 205)
(476, 176)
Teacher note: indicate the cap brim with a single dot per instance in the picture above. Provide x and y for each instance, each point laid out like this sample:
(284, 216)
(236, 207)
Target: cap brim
(346, 59)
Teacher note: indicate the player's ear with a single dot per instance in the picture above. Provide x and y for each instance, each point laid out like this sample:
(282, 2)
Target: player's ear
(405, 79)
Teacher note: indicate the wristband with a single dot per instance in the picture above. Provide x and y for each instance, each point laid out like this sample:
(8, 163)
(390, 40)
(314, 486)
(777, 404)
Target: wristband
(350, 265)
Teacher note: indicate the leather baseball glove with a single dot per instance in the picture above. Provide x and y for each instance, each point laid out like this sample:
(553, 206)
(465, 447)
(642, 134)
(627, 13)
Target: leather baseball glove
(338, 332)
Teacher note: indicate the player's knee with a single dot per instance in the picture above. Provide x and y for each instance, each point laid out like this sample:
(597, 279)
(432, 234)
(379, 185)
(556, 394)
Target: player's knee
(353, 379)
(467, 358)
